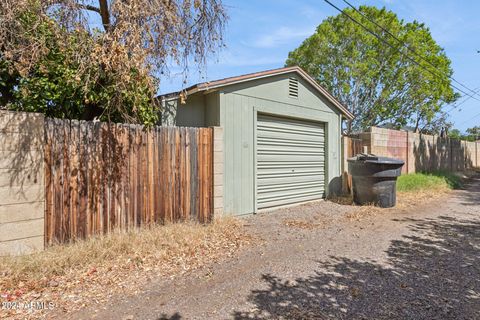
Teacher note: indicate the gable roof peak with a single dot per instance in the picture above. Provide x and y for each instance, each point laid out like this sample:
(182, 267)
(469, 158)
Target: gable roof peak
(210, 85)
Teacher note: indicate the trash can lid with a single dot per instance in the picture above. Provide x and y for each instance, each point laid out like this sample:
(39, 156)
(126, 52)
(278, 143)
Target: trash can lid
(371, 158)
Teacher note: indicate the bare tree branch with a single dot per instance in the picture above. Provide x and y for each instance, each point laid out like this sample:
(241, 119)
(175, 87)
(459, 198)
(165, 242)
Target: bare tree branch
(104, 13)
(89, 7)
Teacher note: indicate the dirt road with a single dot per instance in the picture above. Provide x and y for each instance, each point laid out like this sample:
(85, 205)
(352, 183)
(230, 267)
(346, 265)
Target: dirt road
(315, 262)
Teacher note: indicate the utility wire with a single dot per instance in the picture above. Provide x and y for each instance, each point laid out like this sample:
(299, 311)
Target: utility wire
(391, 46)
(469, 119)
(407, 46)
(456, 105)
(474, 91)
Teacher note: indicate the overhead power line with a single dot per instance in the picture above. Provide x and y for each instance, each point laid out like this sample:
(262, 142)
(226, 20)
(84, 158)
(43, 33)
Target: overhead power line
(396, 49)
(469, 119)
(458, 104)
(408, 47)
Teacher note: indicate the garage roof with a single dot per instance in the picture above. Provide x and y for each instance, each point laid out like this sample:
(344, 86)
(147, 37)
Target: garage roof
(211, 85)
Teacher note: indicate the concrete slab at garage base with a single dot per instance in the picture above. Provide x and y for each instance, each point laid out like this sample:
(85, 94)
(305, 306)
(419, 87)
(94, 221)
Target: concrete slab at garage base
(281, 136)
(287, 206)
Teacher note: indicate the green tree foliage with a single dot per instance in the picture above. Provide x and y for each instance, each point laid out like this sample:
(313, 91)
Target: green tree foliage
(55, 59)
(377, 83)
(54, 86)
(455, 134)
(473, 133)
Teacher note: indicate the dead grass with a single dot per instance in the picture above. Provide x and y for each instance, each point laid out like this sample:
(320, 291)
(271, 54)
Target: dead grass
(304, 224)
(91, 271)
(341, 199)
(405, 200)
(362, 212)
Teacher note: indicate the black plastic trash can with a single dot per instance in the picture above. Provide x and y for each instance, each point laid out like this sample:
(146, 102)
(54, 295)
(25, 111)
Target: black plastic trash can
(374, 179)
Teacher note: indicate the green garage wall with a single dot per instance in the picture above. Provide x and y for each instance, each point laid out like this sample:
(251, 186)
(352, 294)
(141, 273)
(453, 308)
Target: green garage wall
(200, 110)
(235, 108)
(191, 114)
(239, 106)
(212, 109)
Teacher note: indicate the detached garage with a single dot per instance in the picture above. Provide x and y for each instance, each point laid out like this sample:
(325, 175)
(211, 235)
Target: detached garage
(281, 136)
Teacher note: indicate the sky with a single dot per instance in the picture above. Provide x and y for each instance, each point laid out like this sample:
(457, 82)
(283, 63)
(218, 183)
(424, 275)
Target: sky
(261, 33)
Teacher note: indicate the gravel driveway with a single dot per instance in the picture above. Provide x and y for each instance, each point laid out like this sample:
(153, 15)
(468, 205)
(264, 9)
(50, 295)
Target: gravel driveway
(314, 262)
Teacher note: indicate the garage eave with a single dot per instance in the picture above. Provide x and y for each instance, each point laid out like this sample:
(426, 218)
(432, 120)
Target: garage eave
(213, 85)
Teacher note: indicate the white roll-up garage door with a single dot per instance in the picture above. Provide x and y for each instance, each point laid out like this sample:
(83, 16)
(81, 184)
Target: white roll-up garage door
(290, 161)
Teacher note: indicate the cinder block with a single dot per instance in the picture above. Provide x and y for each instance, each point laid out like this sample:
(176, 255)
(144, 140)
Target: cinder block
(218, 191)
(218, 157)
(21, 229)
(218, 168)
(22, 141)
(217, 133)
(218, 202)
(25, 158)
(217, 145)
(381, 143)
(22, 176)
(13, 121)
(218, 212)
(22, 211)
(21, 246)
(21, 194)
(218, 179)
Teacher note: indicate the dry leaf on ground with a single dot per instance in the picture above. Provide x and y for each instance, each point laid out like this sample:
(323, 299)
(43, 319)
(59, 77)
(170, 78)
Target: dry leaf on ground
(90, 272)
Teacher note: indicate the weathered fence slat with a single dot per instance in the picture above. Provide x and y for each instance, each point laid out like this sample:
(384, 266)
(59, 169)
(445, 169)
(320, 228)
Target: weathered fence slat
(101, 177)
(421, 152)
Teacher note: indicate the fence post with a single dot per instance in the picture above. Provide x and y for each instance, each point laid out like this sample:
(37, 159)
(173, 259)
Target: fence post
(346, 147)
(476, 154)
(451, 153)
(406, 154)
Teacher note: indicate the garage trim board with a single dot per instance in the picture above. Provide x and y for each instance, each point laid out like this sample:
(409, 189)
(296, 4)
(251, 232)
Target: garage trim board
(290, 161)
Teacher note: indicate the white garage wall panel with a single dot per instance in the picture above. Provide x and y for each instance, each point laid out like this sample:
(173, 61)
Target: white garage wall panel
(290, 161)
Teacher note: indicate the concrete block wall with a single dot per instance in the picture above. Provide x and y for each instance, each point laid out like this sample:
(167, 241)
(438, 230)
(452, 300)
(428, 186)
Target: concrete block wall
(389, 143)
(422, 152)
(426, 153)
(218, 170)
(22, 198)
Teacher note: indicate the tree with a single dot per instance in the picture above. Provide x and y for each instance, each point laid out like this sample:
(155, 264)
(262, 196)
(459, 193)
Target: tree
(378, 83)
(437, 125)
(474, 133)
(455, 134)
(54, 58)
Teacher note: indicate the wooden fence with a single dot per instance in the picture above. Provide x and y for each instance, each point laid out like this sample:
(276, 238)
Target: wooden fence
(351, 146)
(100, 177)
(420, 152)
